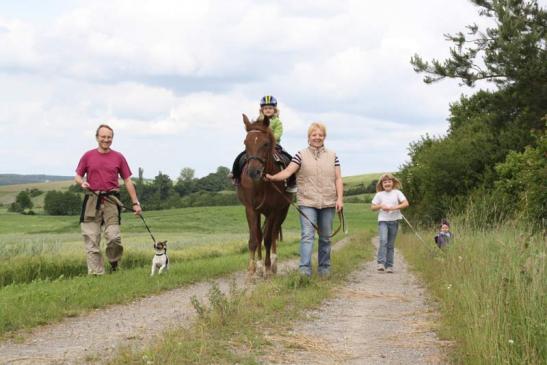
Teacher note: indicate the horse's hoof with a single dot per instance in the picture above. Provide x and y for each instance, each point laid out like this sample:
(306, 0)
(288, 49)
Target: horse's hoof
(250, 278)
(260, 268)
(274, 264)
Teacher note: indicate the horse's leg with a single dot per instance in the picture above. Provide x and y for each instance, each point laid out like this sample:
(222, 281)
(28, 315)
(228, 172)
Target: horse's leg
(276, 230)
(268, 243)
(253, 220)
(259, 264)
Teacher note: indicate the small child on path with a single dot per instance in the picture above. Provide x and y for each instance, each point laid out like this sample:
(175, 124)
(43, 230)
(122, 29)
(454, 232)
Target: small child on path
(388, 201)
(443, 237)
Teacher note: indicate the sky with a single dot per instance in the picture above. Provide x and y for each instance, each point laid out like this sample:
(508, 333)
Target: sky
(173, 77)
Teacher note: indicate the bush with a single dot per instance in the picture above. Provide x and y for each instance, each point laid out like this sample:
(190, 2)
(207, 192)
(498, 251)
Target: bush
(34, 192)
(59, 203)
(523, 182)
(15, 208)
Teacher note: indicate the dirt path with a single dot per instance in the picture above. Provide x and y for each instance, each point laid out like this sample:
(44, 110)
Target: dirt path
(95, 337)
(377, 318)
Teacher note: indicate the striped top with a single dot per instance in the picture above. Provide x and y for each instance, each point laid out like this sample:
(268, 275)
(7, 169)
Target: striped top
(297, 159)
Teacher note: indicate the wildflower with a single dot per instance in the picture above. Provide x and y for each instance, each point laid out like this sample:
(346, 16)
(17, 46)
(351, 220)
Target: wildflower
(511, 342)
(449, 286)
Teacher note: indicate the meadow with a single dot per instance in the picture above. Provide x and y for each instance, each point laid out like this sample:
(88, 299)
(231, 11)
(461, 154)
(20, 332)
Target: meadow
(43, 270)
(490, 286)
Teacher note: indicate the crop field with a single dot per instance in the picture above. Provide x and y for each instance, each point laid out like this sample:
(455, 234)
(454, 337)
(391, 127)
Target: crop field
(9, 192)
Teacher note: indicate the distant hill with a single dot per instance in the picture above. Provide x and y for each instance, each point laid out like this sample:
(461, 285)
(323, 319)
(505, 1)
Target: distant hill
(361, 179)
(12, 179)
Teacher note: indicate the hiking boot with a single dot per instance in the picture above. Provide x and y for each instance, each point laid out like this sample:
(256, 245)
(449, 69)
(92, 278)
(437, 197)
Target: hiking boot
(380, 267)
(389, 270)
(113, 266)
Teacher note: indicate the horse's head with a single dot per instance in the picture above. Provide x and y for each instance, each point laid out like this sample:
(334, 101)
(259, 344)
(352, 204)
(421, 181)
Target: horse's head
(259, 146)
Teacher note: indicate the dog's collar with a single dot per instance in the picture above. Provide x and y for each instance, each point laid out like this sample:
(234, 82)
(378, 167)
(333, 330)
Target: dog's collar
(160, 254)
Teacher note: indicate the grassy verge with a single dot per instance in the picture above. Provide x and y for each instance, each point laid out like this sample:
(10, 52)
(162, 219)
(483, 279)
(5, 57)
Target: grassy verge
(45, 301)
(236, 329)
(490, 286)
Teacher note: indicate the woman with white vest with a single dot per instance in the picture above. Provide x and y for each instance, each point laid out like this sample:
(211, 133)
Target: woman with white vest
(320, 196)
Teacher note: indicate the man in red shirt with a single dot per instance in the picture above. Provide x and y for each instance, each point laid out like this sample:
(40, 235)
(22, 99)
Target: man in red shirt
(102, 166)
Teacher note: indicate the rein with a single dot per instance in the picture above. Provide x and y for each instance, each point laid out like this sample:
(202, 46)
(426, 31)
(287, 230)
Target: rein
(341, 219)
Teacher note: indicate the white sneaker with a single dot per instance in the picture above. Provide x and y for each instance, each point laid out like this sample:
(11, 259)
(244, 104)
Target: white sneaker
(291, 189)
(380, 267)
(389, 270)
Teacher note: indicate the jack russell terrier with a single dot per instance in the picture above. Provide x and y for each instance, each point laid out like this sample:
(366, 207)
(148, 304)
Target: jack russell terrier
(160, 261)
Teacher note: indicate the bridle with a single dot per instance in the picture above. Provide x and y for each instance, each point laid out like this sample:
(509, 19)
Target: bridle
(258, 158)
(263, 162)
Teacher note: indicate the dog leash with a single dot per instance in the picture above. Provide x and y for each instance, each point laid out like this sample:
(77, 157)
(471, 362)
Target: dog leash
(412, 228)
(119, 203)
(416, 233)
(341, 219)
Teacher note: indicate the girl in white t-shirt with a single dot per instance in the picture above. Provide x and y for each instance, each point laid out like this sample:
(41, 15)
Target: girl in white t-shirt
(389, 201)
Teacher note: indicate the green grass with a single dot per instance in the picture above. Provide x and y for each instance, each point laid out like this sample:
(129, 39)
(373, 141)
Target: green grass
(490, 286)
(235, 329)
(43, 261)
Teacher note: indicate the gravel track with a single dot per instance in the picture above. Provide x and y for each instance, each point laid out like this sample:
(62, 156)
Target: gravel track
(377, 318)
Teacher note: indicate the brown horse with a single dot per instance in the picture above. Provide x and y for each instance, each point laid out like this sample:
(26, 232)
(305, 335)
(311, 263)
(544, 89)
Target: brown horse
(260, 197)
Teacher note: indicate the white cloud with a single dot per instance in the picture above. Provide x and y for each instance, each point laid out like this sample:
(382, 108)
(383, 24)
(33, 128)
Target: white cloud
(173, 77)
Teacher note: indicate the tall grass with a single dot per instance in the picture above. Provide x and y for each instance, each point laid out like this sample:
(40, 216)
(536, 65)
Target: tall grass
(490, 285)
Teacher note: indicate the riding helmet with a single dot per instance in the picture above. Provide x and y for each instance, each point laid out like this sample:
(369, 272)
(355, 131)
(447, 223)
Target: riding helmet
(268, 100)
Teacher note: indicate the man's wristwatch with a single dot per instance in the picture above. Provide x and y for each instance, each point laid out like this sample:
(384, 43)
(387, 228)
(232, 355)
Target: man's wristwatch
(136, 203)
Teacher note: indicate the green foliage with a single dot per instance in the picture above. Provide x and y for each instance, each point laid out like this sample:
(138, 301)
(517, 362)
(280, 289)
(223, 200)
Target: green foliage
(34, 192)
(23, 199)
(523, 181)
(511, 52)
(188, 191)
(62, 203)
(445, 172)
(75, 188)
(15, 208)
(22, 202)
(356, 189)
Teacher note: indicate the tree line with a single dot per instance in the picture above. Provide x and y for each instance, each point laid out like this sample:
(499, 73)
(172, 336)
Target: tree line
(492, 161)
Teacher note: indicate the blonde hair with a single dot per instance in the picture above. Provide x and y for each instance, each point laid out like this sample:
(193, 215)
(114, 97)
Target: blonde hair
(261, 115)
(388, 176)
(317, 125)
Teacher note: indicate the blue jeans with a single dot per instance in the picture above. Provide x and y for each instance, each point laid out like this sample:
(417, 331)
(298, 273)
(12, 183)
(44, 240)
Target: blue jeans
(387, 231)
(323, 218)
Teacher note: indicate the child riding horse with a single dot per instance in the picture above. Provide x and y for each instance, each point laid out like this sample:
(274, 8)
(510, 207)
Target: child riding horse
(261, 197)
